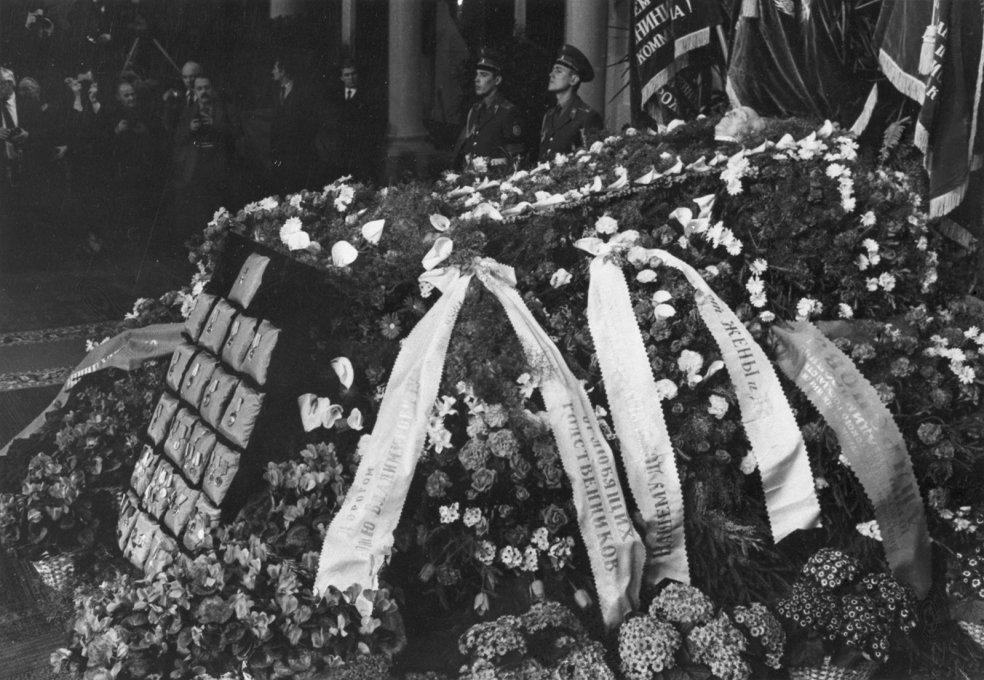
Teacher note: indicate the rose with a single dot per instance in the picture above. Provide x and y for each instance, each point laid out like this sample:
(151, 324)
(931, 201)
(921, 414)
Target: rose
(503, 444)
(437, 483)
(520, 468)
(483, 479)
(554, 518)
(553, 476)
(473, 455)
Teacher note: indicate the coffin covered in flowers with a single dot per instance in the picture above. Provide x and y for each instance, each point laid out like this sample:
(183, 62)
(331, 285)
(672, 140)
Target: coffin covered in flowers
(655, 362)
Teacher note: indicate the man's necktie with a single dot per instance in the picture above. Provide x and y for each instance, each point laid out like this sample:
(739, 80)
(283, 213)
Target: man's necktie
(348, 93)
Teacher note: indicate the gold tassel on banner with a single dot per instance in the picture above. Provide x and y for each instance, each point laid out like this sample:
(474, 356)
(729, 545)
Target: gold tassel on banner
(750, 9)
(929, 42)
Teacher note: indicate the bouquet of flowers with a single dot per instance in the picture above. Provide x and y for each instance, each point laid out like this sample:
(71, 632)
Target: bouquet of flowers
(841, 617)
(684, 635)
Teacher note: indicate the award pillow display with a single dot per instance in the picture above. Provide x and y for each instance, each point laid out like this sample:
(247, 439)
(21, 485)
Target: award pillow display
(129, 509)
(217, 395)
(249, 280)
(160, 422)
(199, 315)
(138, 543)
(219, 473)
(203, 519)
(143, 471)
(240, 416)
(179, 435)
(161, 553)
(200, 446)
(239, 341)
(199, 372)
(158, 494)
(217, 327)
(179, 363)
(260, 353)
(183, 502)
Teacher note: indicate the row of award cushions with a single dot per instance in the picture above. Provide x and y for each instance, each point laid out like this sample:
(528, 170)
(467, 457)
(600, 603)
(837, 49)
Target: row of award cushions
(243, 343)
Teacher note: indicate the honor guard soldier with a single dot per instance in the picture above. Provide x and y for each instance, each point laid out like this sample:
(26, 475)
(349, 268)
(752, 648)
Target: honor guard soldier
(493, 128)
(564, 125)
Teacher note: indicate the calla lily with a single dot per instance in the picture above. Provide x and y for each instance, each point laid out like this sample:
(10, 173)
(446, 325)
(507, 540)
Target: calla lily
(354, 420)
(620, 183)
(699, 165)
(296, 240)
(343, 369)
(372, 231)
(786, 143)
(487, 184)
(674, 124)
(661, 296)
(343, 254)
(648, 178)
(676, 169)
(664, 311)
(682, 215)
(517, 209)
(487, 210)
(593, 246)
(461, 191)
(825, 130)
(561, 277)
(646, 276)
(438, 253)
(437, 278)
(705, 204)
(440, 222)
(761, 148)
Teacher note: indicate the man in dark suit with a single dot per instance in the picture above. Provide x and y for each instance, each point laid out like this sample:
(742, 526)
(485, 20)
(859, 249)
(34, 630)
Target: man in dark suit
(176, 102)
(204, 158)
(493, 128)
(564, 125)
(292, 129)
(23, 147)
(348, 138)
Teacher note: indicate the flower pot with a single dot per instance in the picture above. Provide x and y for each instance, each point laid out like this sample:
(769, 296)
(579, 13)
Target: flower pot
(56, 571)
(828, 671)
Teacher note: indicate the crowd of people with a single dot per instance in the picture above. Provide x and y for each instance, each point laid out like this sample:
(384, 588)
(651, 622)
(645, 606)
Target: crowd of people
(97, 156)
(111, 157)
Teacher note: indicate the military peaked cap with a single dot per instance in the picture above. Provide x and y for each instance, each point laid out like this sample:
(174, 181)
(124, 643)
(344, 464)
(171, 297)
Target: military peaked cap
(574, 59)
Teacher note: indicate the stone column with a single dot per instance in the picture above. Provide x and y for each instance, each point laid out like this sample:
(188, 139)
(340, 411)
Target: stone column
(618, 97)
(285, 8)
(519, 16)
(586, 28)
(406, 137)
(348, 25)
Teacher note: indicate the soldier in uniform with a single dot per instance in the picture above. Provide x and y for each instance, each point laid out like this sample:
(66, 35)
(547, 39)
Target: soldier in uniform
(493, 128)
(564, 125)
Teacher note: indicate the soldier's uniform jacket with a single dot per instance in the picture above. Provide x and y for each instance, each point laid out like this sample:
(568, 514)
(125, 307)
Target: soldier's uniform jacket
(493, 129)
(563, 128)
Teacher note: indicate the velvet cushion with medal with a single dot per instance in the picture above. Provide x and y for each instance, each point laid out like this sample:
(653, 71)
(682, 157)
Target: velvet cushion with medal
(199, 372)
(179, 511)
(144, 469)
(160, 422)
(218, 392)
(138, 543)
(203, 519)
(129, 509)
(178, 436)
(182, 356)
(240, 416)
(163, 548)
(238, 343)
(200, 446)
(217, 327)
(159, 492)
(249, 280)
(199, 315)
(220, 472)
(256, 364)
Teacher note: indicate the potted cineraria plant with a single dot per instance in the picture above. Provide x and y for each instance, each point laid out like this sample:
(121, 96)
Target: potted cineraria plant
(683, 635)
(841, 621)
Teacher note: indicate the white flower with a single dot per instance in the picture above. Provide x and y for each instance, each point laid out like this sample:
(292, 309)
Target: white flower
(871, 284)
(343, 254)
(449, 513)
(485, 552)
(295, 201)
(972, 333)
(527, 384)
(922, 243)
(870, 244)
(531, 559)
(510, 556)
(835, 170)
(757, 299)
(597, 147)
(965, 374)
(541, 538)
(354, 420)
(767, 316)
(664, 311)
(291, 226)
(472, 517)
(646, 276)
(886, 281)
(870, 529)
(298, 240)
(480, 164)
(666, 388)
(268, 203)
(868, 219)
(806, 307)
(755, 286)
(863, 262)
(844, 311)
(748, 464)
(661, 296)
(606, 225)
(559, 159)
(344, 198)
(690, 362)
(560, 278)
(733, 246)
(758, 267)
(718, 406)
